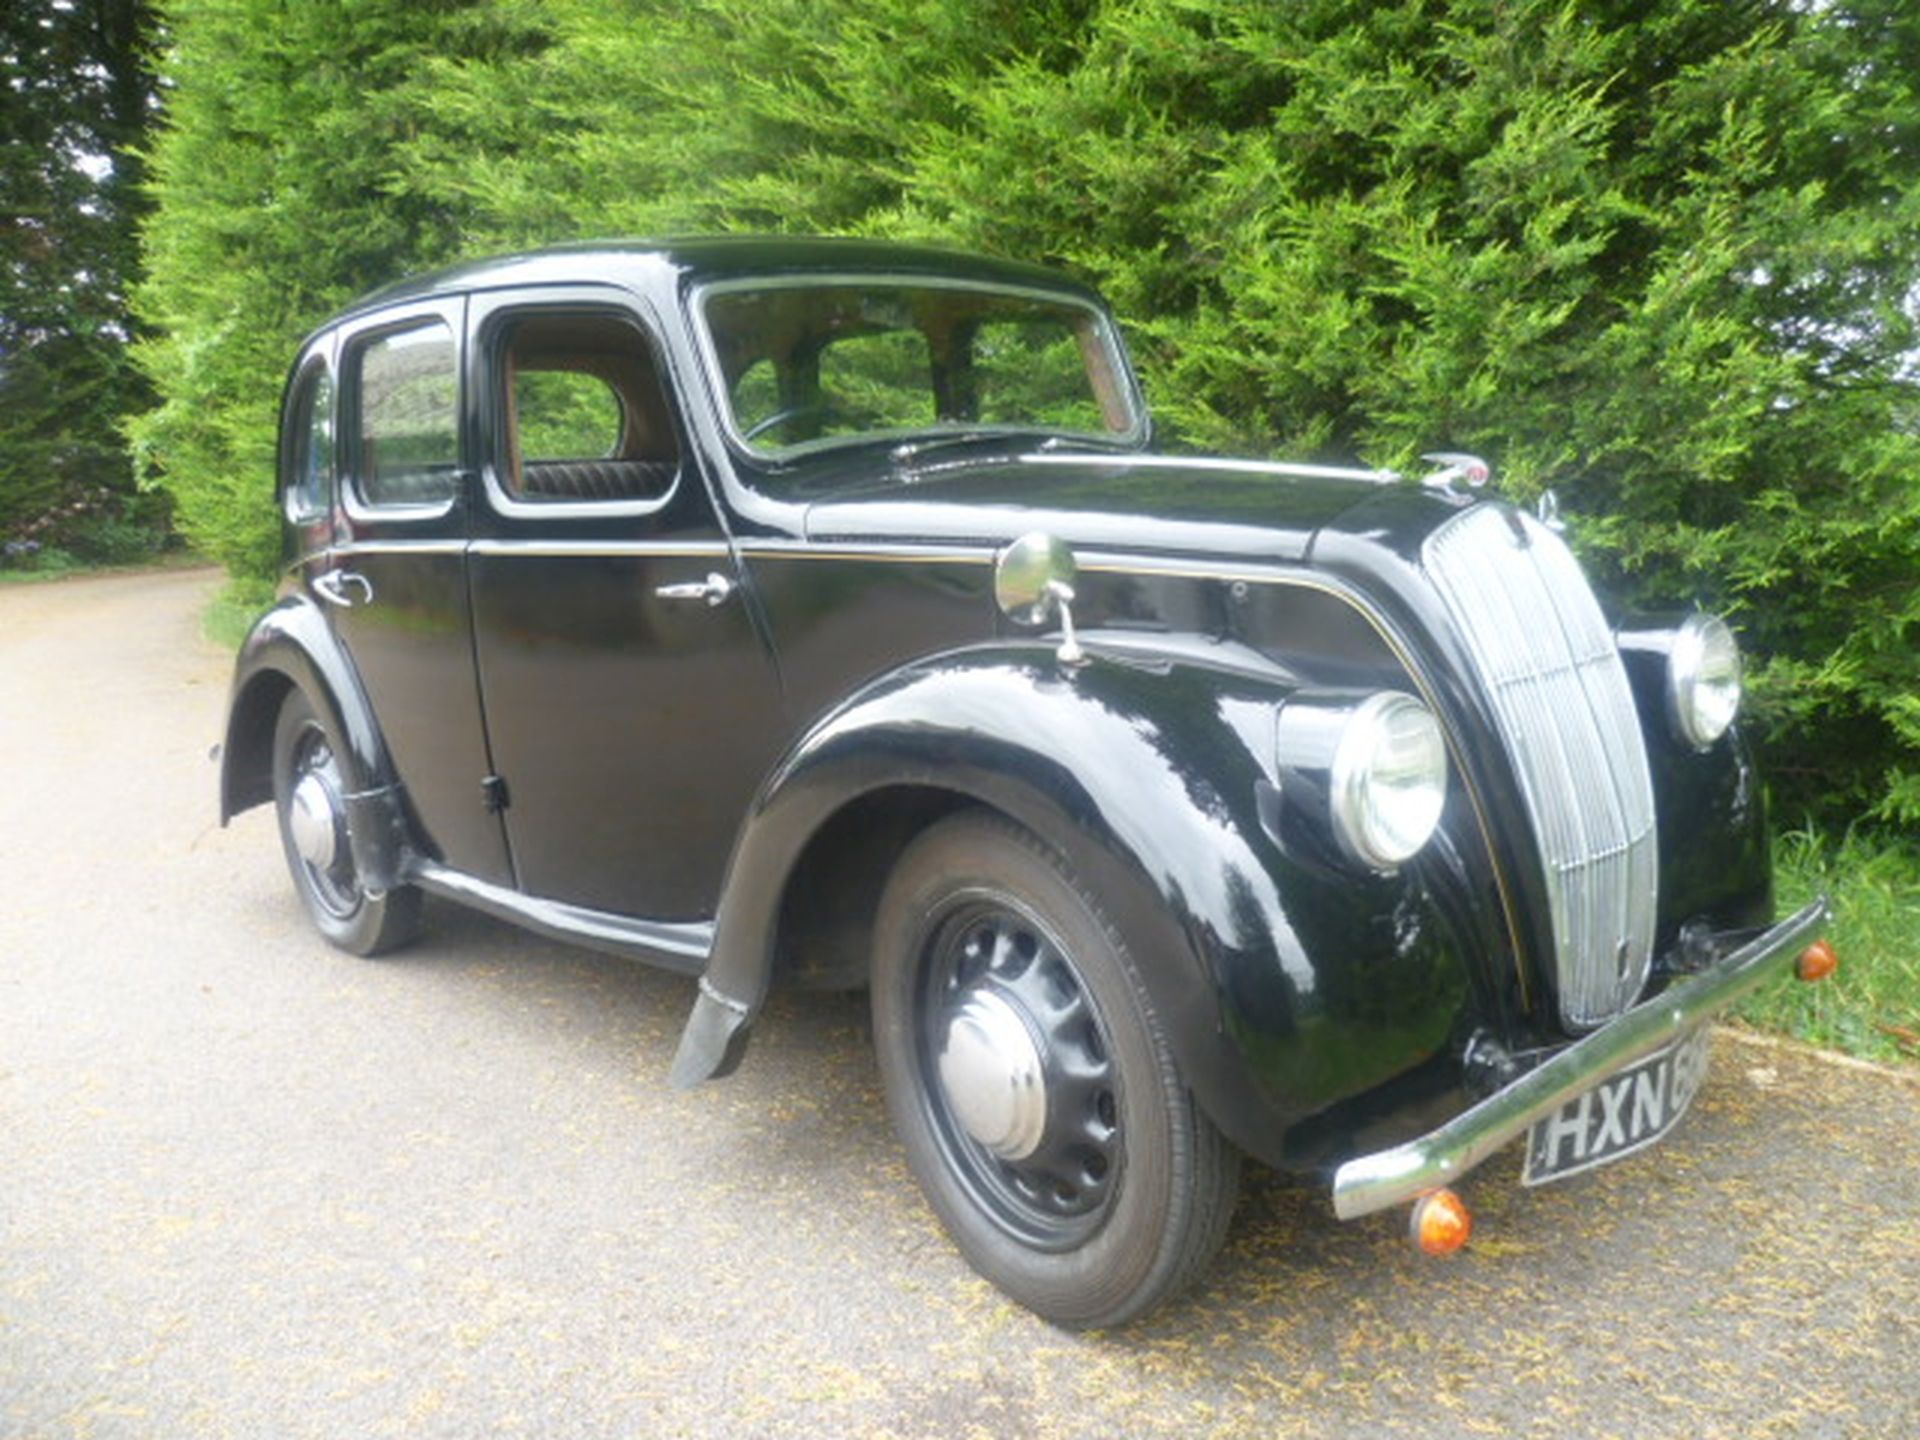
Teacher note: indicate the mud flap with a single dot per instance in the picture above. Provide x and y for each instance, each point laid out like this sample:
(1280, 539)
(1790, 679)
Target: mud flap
(714, 1040)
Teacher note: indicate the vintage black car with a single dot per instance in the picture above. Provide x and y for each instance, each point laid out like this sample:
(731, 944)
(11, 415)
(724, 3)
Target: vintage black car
(816, 612)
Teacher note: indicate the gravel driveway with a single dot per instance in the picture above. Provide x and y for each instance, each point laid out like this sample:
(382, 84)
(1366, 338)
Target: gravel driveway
(253, 1187)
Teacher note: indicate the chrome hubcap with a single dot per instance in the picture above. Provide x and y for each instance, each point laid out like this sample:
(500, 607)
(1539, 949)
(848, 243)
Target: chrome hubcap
(993, 1077)
(316, 826)
(313, 819)
(1023, 1099)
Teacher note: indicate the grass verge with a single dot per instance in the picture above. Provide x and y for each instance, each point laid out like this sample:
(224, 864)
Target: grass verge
(233, 611)
(1871, 1007)
(50, 566)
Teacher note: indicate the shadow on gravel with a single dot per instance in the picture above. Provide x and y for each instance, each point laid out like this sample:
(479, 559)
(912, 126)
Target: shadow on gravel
(1660, 1295)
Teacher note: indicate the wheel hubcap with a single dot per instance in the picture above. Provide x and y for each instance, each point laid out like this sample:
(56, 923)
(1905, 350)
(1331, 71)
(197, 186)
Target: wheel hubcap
(313, 818)
(993, 1078)
(1016, 1077)
(316, 824)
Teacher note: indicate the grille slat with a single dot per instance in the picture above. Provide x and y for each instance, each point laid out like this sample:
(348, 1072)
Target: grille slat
(1560, 698)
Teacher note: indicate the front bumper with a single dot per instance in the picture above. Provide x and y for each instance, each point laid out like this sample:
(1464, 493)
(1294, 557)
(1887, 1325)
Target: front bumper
(1391, 1177)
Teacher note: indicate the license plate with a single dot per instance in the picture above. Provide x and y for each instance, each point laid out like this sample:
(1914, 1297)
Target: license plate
(1625, 1112)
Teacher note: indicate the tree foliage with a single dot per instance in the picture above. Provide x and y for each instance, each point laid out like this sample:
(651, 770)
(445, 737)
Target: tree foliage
(75, 89)
(1663, 258)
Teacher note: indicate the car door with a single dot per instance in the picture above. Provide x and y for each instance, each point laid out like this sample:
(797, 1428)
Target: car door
(631, 702)
(395, 579)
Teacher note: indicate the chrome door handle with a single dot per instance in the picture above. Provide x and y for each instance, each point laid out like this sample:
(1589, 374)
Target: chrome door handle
(331, 587)
(714, 589)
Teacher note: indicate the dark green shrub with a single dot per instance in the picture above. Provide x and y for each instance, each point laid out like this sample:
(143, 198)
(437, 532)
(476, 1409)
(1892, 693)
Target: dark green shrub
(1661, 257)
(30, 557)
(108, 540)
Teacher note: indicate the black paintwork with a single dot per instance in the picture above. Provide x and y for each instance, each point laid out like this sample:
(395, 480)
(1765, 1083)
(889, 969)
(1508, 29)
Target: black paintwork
(1289, 983)
(669, 764)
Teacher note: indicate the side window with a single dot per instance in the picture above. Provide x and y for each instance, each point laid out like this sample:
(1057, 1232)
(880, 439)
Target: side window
(309, 477)
(567, 415)
(584, 416)
(408, 409)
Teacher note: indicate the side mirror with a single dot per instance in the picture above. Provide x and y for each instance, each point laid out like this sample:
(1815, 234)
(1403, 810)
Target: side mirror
(1032, 578)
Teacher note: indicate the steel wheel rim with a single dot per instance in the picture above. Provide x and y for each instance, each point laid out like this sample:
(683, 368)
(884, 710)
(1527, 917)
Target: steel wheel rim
(335, 887)
(1060, 1194)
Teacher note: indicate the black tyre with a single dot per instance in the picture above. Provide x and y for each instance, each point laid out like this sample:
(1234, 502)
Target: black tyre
(310, 775)
(1033, 1089)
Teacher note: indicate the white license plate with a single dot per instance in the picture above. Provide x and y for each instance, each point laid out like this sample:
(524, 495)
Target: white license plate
(1625, 1112)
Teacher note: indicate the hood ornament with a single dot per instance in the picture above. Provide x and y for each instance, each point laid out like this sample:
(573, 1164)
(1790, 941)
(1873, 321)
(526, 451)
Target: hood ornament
(1456, 469)
(1547, 512)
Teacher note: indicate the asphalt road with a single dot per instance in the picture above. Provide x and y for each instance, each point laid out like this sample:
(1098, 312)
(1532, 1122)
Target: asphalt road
(252, 1187)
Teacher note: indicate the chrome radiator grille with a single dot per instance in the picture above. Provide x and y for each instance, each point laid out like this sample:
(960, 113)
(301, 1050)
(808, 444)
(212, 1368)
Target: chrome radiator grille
(1560, 699)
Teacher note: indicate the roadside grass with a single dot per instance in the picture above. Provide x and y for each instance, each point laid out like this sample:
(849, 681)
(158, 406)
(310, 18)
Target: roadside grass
(1871, 1006)
(232, 612)
(52, 565)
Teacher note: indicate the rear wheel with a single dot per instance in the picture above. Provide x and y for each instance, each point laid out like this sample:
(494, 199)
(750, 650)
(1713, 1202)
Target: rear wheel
(1030, 1082)
(310, 778)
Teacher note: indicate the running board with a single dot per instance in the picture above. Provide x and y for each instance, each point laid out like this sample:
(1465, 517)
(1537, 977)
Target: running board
(682, 946)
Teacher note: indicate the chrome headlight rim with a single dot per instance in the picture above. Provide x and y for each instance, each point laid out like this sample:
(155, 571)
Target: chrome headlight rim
(1704, 680)
(1367, 833)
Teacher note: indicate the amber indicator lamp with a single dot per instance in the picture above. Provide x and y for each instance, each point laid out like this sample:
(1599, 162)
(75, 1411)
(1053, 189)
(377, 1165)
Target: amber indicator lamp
(1817, 961)
(1441, 1223)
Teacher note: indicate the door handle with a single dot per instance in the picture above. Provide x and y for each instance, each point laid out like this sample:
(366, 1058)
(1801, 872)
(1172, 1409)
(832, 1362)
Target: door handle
(714, 590)
(331, 586)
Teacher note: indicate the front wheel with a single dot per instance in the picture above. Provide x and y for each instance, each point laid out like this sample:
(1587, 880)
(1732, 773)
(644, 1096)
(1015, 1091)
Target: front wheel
(310, 780)
(1030, 1082)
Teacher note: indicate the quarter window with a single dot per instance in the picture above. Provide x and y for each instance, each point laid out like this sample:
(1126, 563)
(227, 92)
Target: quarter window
(409, 417)
(309, 492)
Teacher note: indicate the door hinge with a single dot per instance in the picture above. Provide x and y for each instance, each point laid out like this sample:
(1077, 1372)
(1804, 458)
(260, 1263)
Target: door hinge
(493, 794)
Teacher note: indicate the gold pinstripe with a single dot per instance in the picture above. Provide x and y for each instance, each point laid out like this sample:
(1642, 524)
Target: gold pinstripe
(1175, 570)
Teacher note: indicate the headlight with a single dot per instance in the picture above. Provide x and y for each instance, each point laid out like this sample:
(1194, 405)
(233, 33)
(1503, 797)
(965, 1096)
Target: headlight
(1703, 679)
(1388, 779)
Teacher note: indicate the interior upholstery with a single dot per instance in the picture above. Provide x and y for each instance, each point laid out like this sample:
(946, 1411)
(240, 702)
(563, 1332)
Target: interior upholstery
(596, 479)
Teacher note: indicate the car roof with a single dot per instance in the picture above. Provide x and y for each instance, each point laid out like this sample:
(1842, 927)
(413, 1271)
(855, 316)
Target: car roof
(699, 259)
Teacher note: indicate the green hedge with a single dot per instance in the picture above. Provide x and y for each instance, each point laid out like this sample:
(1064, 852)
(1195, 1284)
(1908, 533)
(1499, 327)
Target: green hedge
(1661, 257)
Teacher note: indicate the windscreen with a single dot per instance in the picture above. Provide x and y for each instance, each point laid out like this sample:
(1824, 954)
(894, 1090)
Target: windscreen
(814, 364)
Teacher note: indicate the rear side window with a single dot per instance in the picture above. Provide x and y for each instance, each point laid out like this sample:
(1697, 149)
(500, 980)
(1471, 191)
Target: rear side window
(566, 415)
(583, 414)
(408, 409)
(309, 476)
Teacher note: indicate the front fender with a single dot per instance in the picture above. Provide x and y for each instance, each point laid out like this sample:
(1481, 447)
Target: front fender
(1284, 985)
(293, 647)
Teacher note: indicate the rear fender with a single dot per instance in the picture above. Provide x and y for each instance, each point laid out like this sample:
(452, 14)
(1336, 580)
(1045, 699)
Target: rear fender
(292, 647)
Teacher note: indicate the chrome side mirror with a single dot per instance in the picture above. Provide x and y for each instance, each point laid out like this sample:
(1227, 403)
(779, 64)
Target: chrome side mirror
(1032, 578)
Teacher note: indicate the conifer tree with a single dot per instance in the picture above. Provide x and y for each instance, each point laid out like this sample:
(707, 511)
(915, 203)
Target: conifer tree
(75, 102)
(1663, 258)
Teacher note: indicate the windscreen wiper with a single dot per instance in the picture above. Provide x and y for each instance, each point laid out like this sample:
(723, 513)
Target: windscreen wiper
(911, 450)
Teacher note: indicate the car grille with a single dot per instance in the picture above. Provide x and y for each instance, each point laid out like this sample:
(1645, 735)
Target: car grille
(1559, 693)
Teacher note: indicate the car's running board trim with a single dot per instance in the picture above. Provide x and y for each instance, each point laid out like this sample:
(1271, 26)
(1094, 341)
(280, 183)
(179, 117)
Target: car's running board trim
(682, 947)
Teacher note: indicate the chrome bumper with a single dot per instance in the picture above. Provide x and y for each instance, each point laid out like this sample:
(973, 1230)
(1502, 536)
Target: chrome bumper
(1390, 1177)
